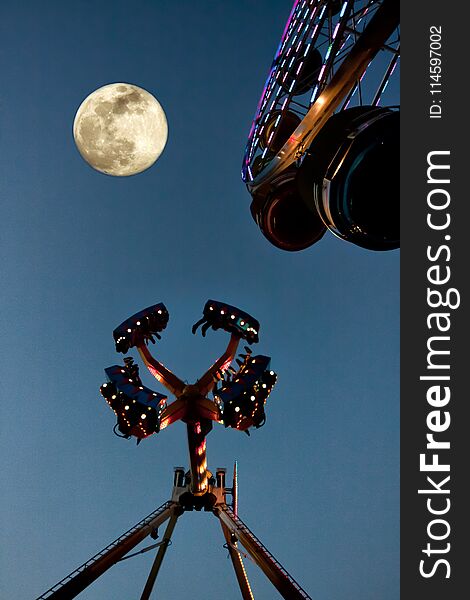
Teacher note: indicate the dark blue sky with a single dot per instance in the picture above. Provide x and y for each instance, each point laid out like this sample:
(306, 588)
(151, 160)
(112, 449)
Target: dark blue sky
(82, 251)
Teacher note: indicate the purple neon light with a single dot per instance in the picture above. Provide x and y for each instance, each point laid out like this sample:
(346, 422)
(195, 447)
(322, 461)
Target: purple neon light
(295, 19)
(284, 35)
(327, 55)
(262, 101)
(294, 47)
(388, 79)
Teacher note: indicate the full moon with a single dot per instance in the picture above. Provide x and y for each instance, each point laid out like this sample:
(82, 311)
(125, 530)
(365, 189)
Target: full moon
(120, 129)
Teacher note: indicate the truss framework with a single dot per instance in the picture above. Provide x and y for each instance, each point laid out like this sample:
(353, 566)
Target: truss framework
(235, 532)
(348, 41)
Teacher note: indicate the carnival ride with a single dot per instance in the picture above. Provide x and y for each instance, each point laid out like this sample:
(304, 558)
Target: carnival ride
(239, 398)
(323, 149)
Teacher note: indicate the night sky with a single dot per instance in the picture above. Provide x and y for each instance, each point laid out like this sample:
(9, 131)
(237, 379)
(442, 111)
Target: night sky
(82, 251)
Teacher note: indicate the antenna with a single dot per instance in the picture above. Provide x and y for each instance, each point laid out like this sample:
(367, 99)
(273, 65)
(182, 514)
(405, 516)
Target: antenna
(235, 489)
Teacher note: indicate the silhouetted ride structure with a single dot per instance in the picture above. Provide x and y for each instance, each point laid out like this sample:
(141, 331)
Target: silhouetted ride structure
(239, 398)
(323, 149)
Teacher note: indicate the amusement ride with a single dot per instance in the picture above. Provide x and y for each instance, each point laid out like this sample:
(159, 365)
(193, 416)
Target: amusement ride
(239, 398)
(323, 149)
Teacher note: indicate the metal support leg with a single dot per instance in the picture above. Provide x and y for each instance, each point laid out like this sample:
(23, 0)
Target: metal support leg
(233, 529)
(159, 558)
(81, 578)
(238, 566)
(279, 577)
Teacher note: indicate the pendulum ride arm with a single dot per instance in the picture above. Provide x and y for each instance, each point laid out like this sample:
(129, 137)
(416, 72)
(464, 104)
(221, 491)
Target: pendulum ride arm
(197, 455)
(160, 372)
(159, 558)
(198, 428)
(207, 381)
(81, 578)
(279, 577)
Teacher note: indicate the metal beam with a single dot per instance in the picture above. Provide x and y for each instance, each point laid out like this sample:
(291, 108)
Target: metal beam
(160, 372)
(274, 571)
(159, 558)
(81, 578)
(238, 565)
(206, 382)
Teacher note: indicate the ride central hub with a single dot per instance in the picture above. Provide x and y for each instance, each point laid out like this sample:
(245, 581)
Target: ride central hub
(239, 396)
